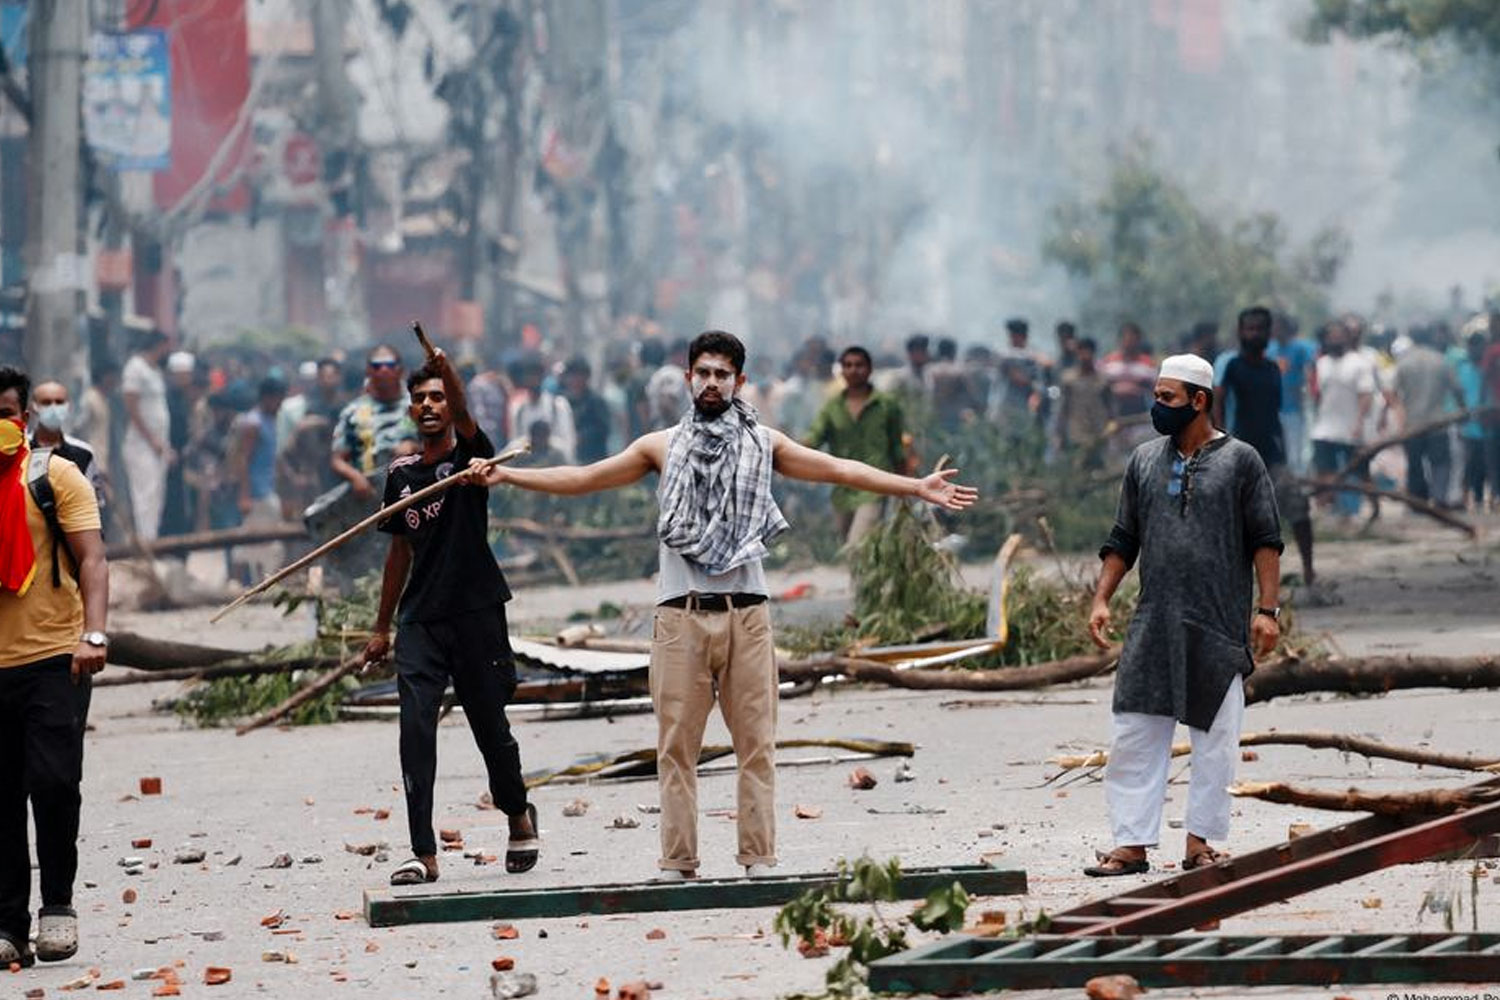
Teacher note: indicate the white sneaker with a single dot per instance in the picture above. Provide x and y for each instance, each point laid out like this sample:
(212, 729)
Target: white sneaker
(56, 934)
(759, 871)
(675, 875)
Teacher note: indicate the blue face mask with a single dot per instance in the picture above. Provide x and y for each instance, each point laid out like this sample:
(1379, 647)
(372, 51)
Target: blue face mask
(1172, 420)
(52, 416)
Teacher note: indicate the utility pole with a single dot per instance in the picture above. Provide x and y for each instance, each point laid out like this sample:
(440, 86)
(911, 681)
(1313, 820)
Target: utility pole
(337, 136)
(55, 268)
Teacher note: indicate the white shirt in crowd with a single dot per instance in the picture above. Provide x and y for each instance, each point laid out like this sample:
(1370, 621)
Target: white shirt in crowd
(141, 378)
(1341, 381)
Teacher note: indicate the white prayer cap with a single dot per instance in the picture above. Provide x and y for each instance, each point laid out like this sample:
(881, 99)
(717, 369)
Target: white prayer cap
(308, 370)
(1188, 368)
(180, 361)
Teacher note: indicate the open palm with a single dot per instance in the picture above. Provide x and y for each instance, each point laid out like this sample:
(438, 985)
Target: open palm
(939, 490)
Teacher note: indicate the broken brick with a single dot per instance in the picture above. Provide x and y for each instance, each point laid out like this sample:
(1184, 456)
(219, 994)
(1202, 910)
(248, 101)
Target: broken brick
(807, 812)
(817, 947)
(1113, 988)
(128, 896)
(216, 975)
(151, 786)
(113, 984)
(141, 843)
(861, 779)
(273, 919)
(451, 836)
(505, 932)
(602, 986)
(1248, 756)
(656, 934)
(502, 964)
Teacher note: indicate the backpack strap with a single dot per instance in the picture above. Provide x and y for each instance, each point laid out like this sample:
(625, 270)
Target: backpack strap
(46, 501)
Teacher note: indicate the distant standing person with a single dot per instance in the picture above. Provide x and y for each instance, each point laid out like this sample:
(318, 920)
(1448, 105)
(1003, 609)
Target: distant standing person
(1344, 391)
(712, 632)
(146, 450)
(50, 409)
(452, 628)
(1083, 407)
(1198, 510)
(54, 597)
(863, 424)
(1425, 386)
(1253, 384)
(1295, 356)
(374, 428)
(255, 474)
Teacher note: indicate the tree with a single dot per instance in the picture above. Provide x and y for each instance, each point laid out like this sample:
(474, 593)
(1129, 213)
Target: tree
(1145, 250)
(1474, 24)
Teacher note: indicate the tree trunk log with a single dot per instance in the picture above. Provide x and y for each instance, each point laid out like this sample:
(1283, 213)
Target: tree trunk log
(222, 538)
(1003, 679)
(1434, 801)
(213, 673)
(1370, 675)
(130, 649)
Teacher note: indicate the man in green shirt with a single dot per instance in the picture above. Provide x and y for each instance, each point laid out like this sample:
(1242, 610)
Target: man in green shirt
(865, 425)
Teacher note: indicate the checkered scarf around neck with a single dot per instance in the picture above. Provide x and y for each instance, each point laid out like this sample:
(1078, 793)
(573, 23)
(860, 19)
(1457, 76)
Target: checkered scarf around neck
(715, 497)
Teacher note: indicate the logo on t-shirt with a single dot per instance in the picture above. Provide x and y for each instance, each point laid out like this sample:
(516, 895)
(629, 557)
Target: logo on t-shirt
(413, 519)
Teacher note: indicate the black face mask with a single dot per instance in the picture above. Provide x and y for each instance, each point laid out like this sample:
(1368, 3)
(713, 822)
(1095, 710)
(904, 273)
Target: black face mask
(1172, 420)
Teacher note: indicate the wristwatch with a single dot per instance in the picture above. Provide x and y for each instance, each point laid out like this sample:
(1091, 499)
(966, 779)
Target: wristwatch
(1272, 613)
(98, 639)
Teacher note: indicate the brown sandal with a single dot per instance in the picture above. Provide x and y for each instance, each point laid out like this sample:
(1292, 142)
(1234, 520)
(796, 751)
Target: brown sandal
(1206, 858)
(1113, 864)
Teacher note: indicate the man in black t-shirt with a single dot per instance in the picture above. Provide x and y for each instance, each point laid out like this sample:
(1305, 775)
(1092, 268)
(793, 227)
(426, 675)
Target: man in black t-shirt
(1253, 381)
(452, 621)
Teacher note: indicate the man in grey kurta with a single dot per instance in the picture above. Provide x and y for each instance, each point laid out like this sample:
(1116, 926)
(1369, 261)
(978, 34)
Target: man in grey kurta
(1198, 512)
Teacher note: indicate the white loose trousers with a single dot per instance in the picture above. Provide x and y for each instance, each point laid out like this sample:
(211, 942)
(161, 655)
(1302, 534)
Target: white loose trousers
(1135, 780)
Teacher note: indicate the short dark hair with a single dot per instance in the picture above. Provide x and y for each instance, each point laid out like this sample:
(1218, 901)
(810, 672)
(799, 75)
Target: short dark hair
(383, 349)
(1193, 388)
(271, 386)
(947, 349)
(653, 352)
(148, 339)
(14, 378)
(1255, 316)
(858, 351)
(1088, 344)
(721, 343)
(427, 372)
(1017, 325)
(578, 366)
(917, 342)
(1065, 330)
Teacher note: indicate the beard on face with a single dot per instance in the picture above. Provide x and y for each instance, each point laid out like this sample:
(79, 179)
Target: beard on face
(710, 406)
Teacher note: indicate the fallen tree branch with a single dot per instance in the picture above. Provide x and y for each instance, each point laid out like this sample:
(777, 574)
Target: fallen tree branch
(1372, 748)
(304, 694)
(222, 538)
(1437, 801)
(1317, 741)
(1370, 675)
(1369, 451)
(1417, 504)
(238, 669)
(1074, 668)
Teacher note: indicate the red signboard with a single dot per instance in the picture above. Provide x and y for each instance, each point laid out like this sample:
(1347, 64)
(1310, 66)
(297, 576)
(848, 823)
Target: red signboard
(209, 46)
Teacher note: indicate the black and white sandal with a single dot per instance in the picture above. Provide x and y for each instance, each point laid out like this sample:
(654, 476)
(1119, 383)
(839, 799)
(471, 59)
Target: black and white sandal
(521, 854)
(413, 872)
(12, 953)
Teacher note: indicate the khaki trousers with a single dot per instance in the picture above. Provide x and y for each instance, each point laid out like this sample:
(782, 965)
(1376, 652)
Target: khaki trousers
(696, 655)
(855, 524)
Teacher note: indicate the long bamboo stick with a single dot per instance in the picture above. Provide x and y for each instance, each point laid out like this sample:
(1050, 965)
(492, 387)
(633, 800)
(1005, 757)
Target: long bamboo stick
(375, 518)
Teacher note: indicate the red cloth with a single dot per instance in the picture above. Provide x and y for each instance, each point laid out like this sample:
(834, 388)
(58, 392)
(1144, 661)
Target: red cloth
(17, 554)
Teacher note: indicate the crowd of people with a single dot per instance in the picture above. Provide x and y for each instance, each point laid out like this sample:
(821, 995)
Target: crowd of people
(214, 442)
(179, 442)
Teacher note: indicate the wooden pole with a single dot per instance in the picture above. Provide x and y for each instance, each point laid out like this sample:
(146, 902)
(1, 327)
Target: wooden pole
(374, 519)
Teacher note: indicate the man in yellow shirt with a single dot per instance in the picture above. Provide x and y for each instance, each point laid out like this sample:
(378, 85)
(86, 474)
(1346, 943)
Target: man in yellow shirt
(53, 598)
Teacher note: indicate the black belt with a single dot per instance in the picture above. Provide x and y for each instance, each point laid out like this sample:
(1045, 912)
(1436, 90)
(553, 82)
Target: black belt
(713, 602)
